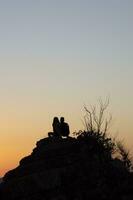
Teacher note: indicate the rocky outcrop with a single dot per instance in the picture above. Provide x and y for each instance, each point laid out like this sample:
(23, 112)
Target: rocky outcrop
(0, 180)
(43, 170)
(63, 169)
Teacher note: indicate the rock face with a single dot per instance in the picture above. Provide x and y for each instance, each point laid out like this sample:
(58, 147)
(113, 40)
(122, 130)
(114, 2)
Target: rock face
(0, 180)
(63, 169)
(42, 171)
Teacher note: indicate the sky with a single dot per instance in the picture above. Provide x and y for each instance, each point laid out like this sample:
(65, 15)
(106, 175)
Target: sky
(55, 57)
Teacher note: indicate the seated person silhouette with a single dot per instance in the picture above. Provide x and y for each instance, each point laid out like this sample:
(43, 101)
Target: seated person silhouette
(56, 127)
(64, 128)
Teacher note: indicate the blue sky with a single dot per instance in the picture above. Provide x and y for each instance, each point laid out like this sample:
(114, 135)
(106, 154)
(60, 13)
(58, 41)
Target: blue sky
(92, 30)
(56, 56)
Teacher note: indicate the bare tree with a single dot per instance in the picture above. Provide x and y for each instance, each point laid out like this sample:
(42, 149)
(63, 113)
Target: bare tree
(97, 122)
(124, 154)
(95, 119)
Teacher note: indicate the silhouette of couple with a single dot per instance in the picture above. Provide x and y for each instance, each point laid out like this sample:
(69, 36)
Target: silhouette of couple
(60, 128)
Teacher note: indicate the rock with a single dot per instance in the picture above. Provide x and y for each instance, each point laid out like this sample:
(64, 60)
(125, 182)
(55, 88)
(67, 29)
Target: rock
(63, 169)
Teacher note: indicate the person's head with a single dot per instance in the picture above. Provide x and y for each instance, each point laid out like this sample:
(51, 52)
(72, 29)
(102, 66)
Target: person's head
(55, 120)
(62, 119)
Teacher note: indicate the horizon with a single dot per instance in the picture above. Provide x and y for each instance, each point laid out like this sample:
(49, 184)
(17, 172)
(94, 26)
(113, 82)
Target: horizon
(56, 57)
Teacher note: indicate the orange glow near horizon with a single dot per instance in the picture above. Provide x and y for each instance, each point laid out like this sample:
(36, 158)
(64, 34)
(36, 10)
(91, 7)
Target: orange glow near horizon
(20, 134)
(18, 143)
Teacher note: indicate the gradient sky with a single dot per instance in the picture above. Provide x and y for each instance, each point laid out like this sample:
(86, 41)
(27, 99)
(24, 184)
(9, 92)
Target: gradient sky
(56, 56)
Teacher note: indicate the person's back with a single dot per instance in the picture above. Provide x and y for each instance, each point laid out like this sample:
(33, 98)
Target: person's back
(64, 127)
(56, 126)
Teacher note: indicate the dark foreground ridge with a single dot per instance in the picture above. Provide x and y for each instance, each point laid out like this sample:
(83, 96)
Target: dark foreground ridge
(62, 168)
